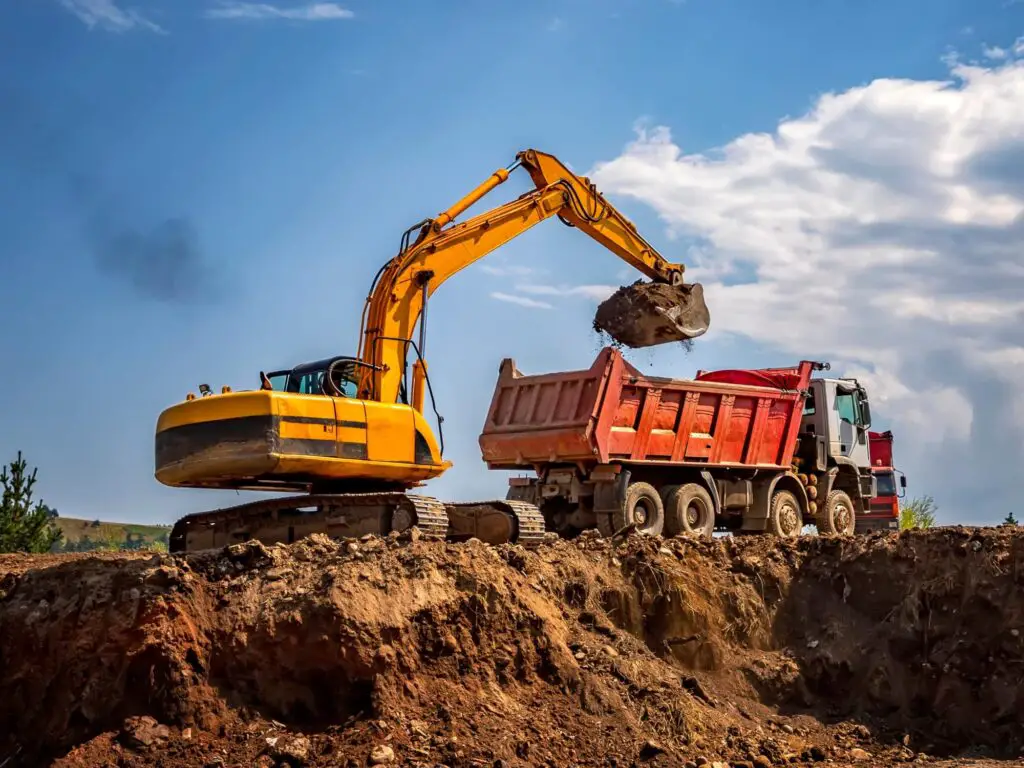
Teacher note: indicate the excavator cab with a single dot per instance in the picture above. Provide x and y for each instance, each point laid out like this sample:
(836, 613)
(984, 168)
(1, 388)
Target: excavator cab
(333, 376)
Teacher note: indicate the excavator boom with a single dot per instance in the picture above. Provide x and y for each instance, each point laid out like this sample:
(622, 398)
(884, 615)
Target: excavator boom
(348, 433)
(441, 248)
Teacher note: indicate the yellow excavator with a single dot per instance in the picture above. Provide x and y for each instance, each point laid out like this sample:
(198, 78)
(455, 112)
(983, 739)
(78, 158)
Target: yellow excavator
(348, 436)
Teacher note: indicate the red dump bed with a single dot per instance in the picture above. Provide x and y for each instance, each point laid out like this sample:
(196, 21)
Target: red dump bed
(881, 448)
(614, 413)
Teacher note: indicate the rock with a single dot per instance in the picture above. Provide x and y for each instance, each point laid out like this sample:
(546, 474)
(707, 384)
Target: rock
(144, 731)
(719, 765)
(762, 762)
(499, 763)
(382, 754)
(294, 750)
(701, 761)
(859, 754)
(651, 749)
(689, 764)
(741, 764)
(787, 728)
(816, 753)
(609, 651)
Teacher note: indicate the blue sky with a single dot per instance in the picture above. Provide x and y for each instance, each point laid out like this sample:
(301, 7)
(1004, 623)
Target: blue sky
(195, 191)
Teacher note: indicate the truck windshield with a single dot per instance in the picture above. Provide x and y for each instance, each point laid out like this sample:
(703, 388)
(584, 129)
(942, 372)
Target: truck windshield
(886, 483)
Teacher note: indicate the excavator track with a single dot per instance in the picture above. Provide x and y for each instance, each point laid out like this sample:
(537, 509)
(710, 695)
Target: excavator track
(337, 515)
(497, 521)
(347, 515)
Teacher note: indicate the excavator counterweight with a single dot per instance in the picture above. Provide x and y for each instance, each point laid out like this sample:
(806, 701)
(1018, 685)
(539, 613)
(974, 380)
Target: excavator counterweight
(349, 435)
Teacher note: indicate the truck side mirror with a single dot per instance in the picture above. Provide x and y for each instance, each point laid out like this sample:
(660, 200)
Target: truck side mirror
(865, 409)
(903, 481)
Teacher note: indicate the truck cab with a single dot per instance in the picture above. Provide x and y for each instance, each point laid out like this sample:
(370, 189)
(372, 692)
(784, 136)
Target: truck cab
(834, 440)
(884, 510)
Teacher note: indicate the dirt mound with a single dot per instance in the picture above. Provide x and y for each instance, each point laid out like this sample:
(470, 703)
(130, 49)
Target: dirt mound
(644, 314)
(581, 653)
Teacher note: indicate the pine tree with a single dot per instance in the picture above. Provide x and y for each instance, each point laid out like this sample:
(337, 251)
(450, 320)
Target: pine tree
(24, 526)
(1010, 519)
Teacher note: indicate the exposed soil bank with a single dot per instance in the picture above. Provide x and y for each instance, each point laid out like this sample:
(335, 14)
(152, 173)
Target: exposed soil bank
(583, 653)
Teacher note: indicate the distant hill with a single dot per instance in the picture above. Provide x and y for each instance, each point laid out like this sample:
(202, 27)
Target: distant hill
(92, 535)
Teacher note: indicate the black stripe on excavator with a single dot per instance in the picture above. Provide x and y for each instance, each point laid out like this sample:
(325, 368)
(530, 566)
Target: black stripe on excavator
(296, 446)
(260, 434)
(318, 420)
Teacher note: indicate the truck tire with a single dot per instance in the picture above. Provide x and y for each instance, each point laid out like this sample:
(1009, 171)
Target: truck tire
(836, 517)
(643, 508)
(689, 510)
(784, 517)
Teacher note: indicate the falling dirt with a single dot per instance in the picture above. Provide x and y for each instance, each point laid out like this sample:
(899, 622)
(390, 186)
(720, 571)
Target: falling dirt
(644, 314)
(744, 652)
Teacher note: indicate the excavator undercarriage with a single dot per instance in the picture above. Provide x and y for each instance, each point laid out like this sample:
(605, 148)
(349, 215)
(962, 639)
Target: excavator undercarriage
(352, 515)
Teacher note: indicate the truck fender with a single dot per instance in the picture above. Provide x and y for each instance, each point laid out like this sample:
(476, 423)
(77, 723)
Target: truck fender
(827, 482)
(712, 487)
(755, 518)
(855, 491)
(609, 497)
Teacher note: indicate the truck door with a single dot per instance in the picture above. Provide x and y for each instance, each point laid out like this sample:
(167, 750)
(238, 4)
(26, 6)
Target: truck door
(851, 427)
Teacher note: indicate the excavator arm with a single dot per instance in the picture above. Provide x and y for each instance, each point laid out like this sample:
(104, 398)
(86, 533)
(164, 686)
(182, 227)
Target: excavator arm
(399, 294)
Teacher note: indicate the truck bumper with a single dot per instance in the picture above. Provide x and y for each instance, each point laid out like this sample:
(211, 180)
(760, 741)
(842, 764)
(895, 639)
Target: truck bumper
(870, 524)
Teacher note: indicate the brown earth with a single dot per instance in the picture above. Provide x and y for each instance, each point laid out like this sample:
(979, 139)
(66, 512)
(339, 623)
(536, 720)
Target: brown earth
(867, 651)
(644, 314)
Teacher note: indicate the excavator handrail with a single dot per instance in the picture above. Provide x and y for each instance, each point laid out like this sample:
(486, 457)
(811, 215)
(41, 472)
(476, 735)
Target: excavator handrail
(442, 247)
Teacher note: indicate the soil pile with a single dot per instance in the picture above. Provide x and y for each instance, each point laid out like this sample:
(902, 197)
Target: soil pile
(869, 651)
(644, 314)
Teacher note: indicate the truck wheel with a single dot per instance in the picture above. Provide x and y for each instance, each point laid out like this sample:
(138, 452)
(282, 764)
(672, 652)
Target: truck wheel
(784, 517)
(643, 508)
(836, 516)
(689, 510)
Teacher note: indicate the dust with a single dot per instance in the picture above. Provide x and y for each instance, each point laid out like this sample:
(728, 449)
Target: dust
(644, 314)
(874, 650)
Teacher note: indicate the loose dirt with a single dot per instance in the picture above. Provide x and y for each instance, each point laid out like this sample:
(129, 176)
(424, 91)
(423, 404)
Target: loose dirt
(644, 314)
(742, 652)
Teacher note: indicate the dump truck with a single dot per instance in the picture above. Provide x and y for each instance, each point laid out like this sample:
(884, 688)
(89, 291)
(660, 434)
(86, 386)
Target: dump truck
(345, 438)
(883, 513)
(747, 451)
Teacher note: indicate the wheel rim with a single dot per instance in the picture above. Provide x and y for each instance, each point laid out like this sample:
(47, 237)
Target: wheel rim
(641, 513)
(696, 514)
(789, 519)
(841, 517)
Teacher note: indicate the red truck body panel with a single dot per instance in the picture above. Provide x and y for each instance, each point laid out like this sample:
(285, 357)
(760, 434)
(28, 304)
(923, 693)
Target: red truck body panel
(885, 506)
(612, 413)
(881, 449)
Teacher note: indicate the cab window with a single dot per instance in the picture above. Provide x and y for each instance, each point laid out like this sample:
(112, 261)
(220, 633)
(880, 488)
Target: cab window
(846, 404)
(308, 383)
(278, 381)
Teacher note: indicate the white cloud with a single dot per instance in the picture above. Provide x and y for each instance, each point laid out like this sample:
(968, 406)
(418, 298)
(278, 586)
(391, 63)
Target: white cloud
(884, 231)
(522, 301)
(310, 12)
(107, 15)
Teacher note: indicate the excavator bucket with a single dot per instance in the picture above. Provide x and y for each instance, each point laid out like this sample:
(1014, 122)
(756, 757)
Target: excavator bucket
(644, 314)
